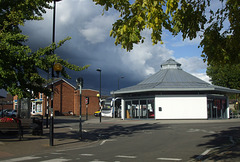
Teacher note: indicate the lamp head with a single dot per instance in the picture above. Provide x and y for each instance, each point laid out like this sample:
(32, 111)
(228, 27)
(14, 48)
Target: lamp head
(57, 67)
(99, 70)
(79, 81)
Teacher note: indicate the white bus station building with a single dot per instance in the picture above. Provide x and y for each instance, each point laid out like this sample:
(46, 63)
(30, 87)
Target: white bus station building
(172, 93)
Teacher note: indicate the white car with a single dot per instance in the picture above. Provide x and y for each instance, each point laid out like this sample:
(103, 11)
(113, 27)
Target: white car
(107, 112)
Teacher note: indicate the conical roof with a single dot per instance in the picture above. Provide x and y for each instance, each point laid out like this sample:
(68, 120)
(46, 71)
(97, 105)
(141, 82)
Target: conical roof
(172, 78)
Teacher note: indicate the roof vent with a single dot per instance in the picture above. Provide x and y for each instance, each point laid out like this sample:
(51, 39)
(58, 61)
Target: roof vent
(171, 64)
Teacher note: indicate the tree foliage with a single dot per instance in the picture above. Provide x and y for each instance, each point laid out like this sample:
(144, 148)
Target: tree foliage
(225, 75)
(219, 28)
(20, 67)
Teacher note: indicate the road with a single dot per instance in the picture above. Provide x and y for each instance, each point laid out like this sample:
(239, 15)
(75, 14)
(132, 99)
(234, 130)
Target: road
(142, 142)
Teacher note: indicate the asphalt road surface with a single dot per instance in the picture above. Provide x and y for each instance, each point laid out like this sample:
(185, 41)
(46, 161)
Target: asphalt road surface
(142, 142)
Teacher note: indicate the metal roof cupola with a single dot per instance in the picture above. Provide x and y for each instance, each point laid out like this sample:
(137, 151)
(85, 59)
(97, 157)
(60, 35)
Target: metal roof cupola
(171, 64)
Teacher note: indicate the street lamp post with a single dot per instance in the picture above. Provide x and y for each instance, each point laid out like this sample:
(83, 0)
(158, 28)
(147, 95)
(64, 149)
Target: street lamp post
(47, 112)
(119, 80)
(79, 82)
(56, 67)
(100, 114)
(99, 70)
(52, 91)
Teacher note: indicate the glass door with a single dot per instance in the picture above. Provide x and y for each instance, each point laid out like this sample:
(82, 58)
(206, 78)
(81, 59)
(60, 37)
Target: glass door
(209, 108)
(150, 108)
(217, 109)
(128, 109)
(224, 109)
(143, 109)
(135, 109)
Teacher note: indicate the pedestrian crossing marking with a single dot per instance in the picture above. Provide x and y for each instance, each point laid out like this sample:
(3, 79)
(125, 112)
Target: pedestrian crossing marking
(21, 159)
(56, 160)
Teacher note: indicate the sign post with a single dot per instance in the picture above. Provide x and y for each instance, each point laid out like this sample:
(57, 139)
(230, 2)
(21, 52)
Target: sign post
(87, 102)
(80, 85)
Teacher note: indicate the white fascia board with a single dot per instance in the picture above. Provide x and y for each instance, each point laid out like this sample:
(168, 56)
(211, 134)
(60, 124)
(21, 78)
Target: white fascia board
(165, 90)
(183, 95)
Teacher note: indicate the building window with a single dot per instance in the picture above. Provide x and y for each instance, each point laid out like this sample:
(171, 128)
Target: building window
(15, 105)
(41, 95)
(39, 107)
(36, 107)
(140, 109)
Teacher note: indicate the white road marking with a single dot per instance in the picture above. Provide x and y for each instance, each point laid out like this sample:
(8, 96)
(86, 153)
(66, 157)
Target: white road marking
(206, 152)
(87, 154)
(104, 141)
(193, 130)
(169, 159)
(231, 140)
(96, 160)
(22, 159)
(127, 157)
(211, 132)
(200, 130)
(56, 153)
(56, 160)
(147, 132)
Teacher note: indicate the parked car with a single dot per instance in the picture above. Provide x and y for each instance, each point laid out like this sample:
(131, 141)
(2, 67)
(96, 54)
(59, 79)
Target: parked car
(107, 108)
(97, 113)
(107, 112)
(3, 112)
(6, 113)
(11, 113)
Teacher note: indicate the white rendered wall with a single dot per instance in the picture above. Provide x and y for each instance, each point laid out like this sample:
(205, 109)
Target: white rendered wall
(228, 109)
(181, 107)
(123, 109)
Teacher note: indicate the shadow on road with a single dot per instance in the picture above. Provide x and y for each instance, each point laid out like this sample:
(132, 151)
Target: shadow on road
(118, 130)
(108, 132)
(225, 145)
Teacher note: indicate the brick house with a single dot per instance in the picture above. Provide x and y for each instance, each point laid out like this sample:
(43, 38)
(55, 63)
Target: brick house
(66, 100)
(6, 101)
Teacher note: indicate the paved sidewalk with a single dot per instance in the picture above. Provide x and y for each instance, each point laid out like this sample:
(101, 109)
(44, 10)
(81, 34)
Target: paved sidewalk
(66, 135)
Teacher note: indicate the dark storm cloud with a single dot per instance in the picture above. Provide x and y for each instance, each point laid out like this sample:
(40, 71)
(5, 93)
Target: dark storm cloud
(91, 45)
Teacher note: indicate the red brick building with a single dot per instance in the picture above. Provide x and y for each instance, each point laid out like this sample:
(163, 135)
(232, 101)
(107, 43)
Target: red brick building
(6, 102)
(66, 100)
